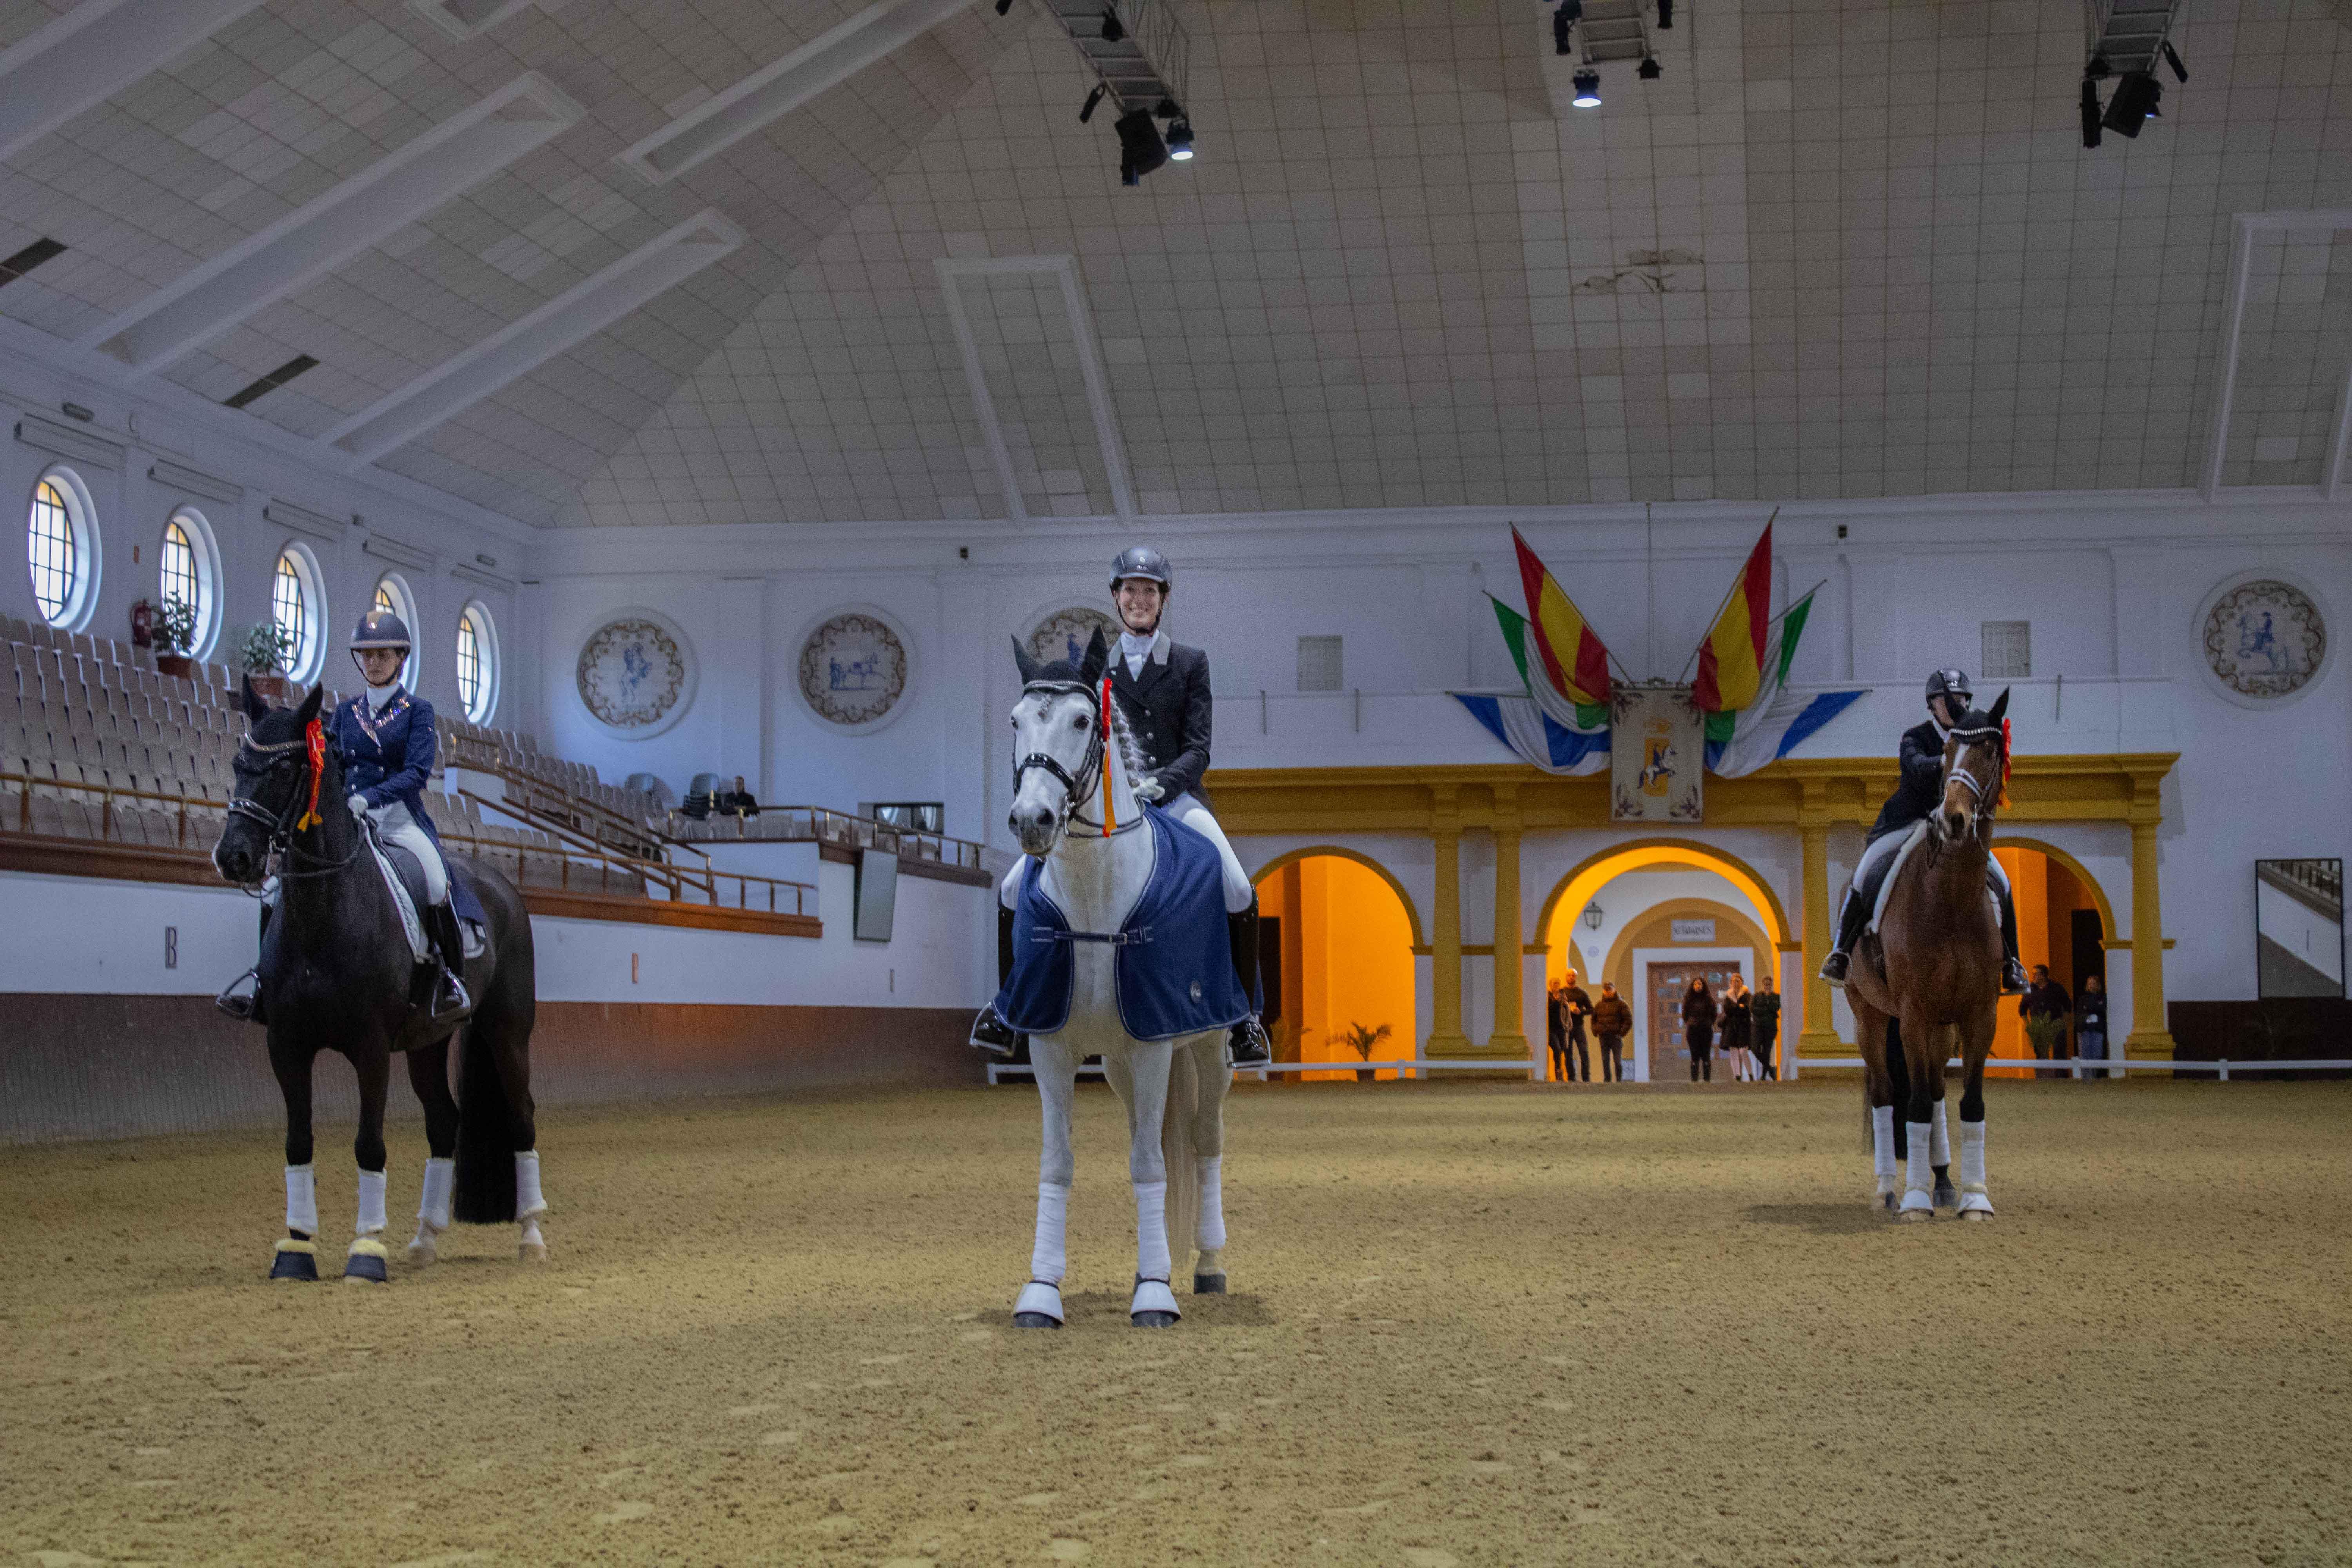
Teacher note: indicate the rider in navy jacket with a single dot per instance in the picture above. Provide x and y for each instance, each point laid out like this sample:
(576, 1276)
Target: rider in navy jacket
(1917, 793)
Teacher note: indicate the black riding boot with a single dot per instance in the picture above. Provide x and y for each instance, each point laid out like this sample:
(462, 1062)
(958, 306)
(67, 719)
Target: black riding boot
(245, 1008)
(1249, 1046)
(988, 1032)
(2013, 973)
(450, 1002)
(1851, 918)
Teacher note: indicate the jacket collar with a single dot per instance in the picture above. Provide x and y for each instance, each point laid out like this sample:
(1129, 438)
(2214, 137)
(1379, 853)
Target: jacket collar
(1155, 664)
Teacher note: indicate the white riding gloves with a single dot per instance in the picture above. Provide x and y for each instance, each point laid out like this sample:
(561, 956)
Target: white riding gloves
(359, 806)
(1149, 790)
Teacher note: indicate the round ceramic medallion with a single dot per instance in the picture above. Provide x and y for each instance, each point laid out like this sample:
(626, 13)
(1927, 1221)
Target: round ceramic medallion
(1064, 634)
(854, 670)
(635, 674)
(2264, 638)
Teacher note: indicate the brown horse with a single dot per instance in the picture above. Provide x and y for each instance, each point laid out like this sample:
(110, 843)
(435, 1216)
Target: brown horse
(1934, 967)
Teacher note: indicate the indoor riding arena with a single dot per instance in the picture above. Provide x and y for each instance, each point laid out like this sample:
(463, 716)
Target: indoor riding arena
(1643, 690)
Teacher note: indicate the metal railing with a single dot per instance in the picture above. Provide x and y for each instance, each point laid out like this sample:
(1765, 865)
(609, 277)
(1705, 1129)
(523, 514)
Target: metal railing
(822, 825)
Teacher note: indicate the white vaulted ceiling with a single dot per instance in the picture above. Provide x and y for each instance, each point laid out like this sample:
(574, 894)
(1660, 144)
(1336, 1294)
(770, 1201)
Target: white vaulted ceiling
(1836, 250)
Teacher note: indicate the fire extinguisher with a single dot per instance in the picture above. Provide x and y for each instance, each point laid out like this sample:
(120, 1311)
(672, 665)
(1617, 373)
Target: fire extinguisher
(142, 625)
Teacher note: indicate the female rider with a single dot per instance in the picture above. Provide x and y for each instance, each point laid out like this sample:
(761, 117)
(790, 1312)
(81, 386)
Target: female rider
(1163, 690)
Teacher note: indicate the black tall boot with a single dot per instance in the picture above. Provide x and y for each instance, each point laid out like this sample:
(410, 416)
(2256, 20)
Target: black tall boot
(1853, 916)
(2013, 973)
(988, 1032)
(246, 1007)
(450, 1001)
(1251, 1047)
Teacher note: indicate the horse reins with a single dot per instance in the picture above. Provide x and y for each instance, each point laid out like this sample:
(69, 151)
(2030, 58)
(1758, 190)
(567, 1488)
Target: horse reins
(298, 813)
(1093, 774)
(1977, 788)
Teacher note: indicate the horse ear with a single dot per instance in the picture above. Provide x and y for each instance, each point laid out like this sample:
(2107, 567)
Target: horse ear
(254, 706)
(1090, 668)
(1020, 660)
(309, 710)
(1999, 706)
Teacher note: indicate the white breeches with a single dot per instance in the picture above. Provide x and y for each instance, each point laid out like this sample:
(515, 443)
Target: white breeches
(1876, 852)
(1187, 809)
(395, 824)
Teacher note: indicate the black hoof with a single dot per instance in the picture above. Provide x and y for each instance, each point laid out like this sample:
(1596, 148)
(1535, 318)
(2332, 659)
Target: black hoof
(365, 1268)
(292, 1265)
(1948, 1197)
(1208, 1284)
(1890, 1202)
(1034, 1320)
(1154, 1319)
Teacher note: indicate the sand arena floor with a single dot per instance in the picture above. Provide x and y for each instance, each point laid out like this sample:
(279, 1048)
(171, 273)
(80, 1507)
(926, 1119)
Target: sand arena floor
(1472, 1324)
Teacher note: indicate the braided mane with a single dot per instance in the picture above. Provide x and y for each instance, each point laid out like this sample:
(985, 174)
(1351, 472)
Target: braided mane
(1130, 754)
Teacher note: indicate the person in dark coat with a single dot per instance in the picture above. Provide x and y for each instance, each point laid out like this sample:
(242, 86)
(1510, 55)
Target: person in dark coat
(2091, 1021)
(1556, 1032)
(1577, 1002)
(1162, 689)
(1698, 1028)
(2046, 1009)
(1731, 1020)
(1612, 1020)
(1917, 793)
(1764, 1024)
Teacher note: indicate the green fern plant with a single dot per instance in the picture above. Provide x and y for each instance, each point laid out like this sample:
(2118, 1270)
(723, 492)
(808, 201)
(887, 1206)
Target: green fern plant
(1361, 1040)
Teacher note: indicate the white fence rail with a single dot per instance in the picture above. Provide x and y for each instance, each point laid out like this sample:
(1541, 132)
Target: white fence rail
(999, 1071)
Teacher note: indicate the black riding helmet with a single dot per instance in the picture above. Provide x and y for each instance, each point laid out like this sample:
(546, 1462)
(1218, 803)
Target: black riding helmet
(1144, 561)
(1951, 683)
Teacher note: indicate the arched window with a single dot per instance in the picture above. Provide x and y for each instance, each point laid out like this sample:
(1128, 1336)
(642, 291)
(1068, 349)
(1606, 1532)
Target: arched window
(61, 550)
(393, 595)
(186, 572)
(477, 664)
(297, 605)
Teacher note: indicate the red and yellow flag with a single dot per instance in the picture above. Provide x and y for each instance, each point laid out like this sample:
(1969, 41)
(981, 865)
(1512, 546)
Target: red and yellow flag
(1731, 660)
(1573, 658)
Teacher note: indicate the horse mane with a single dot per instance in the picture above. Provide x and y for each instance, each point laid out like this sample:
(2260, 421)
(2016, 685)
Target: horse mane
(1130, 754)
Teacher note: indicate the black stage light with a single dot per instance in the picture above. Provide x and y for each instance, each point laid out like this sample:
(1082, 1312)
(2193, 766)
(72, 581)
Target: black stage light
(2098, 70)
(1650, 70)
(2090, 113)
(1179, 141)
(1087, 111)
(2172, 59)
(1588, 89)
(1111, 32)
(2135, 99)
(1666, 16)
(1140, 150)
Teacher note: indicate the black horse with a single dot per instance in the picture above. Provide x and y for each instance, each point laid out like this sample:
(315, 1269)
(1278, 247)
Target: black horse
(337, 972)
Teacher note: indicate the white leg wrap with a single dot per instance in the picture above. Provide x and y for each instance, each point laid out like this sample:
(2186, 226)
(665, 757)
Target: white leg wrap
(433, 1202)
(371, 1220)
(529, 1200)
(1882, 1146)
(1939, 1143)
(1917, 1181)
(1212, 1169)
(303, 1199)
(1972, 1170)
(1151, 1259)
(1046, 1258)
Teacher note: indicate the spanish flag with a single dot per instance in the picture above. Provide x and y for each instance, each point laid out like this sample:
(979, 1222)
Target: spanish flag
(1573, 658)
(1731, 660)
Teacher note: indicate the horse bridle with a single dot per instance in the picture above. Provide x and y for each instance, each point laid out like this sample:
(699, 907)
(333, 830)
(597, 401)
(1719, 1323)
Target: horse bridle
(279, 827)
(1078, 786)
(1986, 796)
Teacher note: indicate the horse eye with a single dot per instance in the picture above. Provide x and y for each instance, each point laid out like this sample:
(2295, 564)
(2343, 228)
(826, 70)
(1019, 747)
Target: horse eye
(1083, 723)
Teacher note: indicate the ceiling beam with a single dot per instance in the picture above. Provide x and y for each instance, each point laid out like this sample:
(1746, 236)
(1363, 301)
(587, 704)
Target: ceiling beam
(329, 231)
(93, 52)
(570, 318)
(712, 126)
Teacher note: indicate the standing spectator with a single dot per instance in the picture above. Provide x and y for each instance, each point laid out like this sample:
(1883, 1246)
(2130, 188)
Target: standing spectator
(1698, 1028)
(1734, 1022)
(2091, 1022)
(1556, 1031)
(1764, 1024)
(1578, 1003)
(1612, 1020)
(2046, 1007)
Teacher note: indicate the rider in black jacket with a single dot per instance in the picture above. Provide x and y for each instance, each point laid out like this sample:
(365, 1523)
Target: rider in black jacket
(1918, 791)
(1163, 690)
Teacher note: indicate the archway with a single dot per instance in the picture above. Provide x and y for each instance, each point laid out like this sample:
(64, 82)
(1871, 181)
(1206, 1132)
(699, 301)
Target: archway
(1337, 934)
(1683, 906)
(2063, 921)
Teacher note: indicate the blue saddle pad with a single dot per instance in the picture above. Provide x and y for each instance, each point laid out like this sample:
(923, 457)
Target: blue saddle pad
(1173, 968)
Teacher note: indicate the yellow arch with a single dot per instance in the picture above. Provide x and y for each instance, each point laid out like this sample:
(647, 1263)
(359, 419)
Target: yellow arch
(2081, 874)
(1576, 889)
(1411, 915)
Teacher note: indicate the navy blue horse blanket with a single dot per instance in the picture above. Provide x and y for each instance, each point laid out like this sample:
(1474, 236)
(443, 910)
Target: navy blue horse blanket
(1173, 967)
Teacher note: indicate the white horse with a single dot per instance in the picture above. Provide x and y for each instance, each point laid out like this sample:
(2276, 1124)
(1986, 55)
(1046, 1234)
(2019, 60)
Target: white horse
(1074, 811)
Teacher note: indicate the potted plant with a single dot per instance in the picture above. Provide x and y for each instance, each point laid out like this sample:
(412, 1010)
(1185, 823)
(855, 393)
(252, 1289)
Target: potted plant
(263, 653)
(174, 628)
(1362, 1040)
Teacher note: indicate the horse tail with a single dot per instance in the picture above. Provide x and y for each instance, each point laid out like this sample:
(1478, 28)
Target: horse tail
(485, 1178)
(1177, 1147)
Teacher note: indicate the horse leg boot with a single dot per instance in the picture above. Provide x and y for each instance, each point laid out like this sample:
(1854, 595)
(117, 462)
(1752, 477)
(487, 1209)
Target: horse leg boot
(1251, 1047)
(298, 1255)
(1975, 1203)
(366, 1264)
(990, 1033)
(1882, 1155)
(1209, 1269)
(432, 1210)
